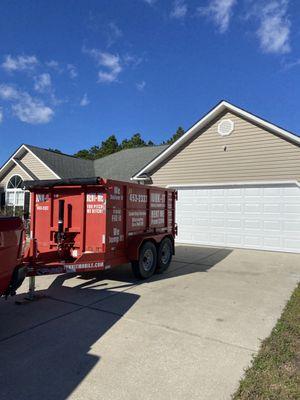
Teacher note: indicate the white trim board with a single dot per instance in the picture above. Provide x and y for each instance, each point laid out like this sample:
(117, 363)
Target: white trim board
(22, 147)
(211, 115)
(196, 244)
(42, 162)
(20, 166)
(242, 183)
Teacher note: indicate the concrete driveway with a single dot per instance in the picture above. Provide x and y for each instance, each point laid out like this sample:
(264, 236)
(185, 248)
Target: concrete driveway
(187, 334)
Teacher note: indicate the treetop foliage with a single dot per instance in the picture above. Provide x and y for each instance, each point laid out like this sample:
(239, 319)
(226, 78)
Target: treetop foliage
(111, 145)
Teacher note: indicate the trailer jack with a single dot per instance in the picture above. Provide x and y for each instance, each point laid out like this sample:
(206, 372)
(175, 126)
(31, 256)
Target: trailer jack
(31, 294)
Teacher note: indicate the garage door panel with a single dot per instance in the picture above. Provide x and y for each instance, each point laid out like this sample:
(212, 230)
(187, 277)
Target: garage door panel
(272, 242)
(275, 191)
(234, 240)
(253, 191)
(251, 217)
(292, 208)
(233, 207)
(271, 208)
(291, 244)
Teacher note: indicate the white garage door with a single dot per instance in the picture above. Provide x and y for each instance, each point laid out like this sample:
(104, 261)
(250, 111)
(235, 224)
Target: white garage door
(259, 217)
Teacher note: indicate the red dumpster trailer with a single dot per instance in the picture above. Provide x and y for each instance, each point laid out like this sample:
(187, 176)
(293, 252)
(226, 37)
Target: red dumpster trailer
(80, 225)
(12, 243)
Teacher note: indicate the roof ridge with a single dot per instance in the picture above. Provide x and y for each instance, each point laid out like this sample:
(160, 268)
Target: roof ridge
(55, 152)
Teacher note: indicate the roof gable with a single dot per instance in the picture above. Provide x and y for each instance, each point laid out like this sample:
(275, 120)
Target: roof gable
(217, 111)
(63, 165)
(121, 165)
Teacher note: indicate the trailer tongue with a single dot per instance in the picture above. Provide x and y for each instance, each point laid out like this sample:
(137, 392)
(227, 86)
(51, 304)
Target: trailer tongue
(94, 224)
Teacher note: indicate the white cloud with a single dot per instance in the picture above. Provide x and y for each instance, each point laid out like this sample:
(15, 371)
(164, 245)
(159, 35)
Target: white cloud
(19, 63)
(275, 26)
(291, 64)
(113, 67)
(131, 60)
(141, 85)
(25, 107)
(42, 82)
(113, 33)
(72, 71)
(1, 115)
(55, 65)
(150, 2)
(220, 11)
(52, 64)
(179, 9)
(110, 65)
(84, 101)
(33, 111)
(8, 92)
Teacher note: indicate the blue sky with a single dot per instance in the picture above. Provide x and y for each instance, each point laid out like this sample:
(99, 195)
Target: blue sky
(73, 72)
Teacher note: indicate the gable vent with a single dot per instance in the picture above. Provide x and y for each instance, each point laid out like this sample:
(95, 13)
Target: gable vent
(225, 127)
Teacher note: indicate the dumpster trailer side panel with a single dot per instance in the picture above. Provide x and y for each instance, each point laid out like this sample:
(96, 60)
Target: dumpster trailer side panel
(82, 227)
(12, 243)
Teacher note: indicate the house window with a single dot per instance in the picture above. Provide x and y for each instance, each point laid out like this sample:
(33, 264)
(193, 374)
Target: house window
(14, 192)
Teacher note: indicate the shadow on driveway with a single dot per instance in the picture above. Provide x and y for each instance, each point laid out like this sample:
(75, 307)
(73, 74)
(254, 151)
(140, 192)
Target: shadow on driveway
(46, 346)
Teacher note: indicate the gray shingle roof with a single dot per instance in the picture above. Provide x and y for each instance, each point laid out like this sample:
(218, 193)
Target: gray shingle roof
(63, 165)
(120, 166)
(125, 163)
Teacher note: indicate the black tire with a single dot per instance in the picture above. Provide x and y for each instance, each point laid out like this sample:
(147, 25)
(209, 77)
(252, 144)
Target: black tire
(145, 266)
(164, 255)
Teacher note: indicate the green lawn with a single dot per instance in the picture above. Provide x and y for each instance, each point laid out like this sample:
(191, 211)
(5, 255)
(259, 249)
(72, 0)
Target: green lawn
(275, 371)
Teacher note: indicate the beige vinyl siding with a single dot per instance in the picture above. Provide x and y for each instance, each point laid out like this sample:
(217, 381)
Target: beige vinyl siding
(16, 170)
(36, 167)
(252, 154)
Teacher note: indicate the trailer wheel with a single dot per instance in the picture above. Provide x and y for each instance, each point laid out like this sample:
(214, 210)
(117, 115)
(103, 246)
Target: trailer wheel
(145, 266)
(164, 255)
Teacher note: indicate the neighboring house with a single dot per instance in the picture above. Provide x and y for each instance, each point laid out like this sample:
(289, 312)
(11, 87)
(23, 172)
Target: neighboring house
(238, 181)
(31, 162)
(237, 176)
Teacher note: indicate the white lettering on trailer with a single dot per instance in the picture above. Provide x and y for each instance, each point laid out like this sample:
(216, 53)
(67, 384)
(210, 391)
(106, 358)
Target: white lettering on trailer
(136, 222)
(116, 215)
(74, 267)
(96, 203)
(157, 217)
(95, 208)
(116, 195)
(116, 239)
(42, 208)
(138, 198)
(40, 198)
(94, 198)
(157, 199)
(137, 218)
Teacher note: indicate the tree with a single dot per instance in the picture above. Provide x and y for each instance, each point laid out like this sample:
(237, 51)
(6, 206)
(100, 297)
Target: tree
(55, 150)
(108, 146)
(176, 136)
(85, 154)
(135, 141)
(111, 145)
